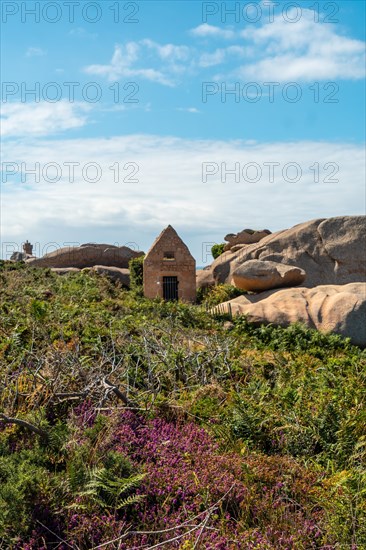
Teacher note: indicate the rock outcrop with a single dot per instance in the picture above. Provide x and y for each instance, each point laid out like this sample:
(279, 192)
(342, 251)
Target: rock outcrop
(115, 273)
(204, 278)
(258, 275)
(119, 274)
(330, 251)
(329, 308)
(20, 257)
(247, 236)
(65, 270)
(87, 255)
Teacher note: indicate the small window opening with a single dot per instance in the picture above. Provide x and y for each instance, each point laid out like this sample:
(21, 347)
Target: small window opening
(169, 256)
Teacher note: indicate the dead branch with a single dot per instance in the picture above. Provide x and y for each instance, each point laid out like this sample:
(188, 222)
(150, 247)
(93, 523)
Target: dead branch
(24, 424)
(70, 395)
(121, 395)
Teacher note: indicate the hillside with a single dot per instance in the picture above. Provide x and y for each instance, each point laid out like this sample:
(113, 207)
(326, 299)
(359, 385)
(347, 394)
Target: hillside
(133, 423)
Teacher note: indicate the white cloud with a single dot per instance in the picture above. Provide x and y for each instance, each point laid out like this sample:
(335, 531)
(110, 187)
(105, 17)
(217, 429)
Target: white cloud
(189, 110)
(127, 58)
(40, 119)
(122, 59)
(35, 52)
(168, 52)
(280, 51)
(206, 30)
(210, 59)
(80, 32)
(303, 50)
(170, 189)
(219, 56)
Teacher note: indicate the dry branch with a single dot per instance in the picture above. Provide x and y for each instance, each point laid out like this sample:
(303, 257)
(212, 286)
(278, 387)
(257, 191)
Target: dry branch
(24, 424)
(120, 394)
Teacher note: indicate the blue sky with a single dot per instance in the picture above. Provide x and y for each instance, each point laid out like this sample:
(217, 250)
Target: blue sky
(181, 113)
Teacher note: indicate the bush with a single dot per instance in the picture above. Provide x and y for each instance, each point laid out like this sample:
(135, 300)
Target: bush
(136, 266)
(217, 250)
(296, 337)
(201, 294)
(221, 293)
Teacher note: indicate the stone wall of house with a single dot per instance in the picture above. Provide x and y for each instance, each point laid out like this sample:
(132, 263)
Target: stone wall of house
(157, 266)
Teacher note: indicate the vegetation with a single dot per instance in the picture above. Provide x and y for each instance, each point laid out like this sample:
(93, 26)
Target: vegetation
(217, 250)
(136, 267)
(128, 423)
(212, 296)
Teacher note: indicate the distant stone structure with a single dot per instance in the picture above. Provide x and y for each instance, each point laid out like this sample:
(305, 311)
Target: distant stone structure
(170, 269)
(28, 248)
(22, 256)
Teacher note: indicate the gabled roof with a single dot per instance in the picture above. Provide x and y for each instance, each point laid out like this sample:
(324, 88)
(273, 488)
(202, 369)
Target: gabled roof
(166, 235)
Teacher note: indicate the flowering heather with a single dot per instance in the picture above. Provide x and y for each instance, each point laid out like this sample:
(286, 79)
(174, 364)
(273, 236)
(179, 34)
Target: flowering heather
(193, 492)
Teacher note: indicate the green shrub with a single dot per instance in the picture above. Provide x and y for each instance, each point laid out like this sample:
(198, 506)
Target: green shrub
(296, 337)
(201, 293)
(221, 293)
(22, 478)
(217, 250)
(136, 266)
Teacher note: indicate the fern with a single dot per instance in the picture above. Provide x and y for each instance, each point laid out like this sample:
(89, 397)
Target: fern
(109, 491)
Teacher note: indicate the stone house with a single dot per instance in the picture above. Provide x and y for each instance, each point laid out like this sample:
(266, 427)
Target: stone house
(170, 269)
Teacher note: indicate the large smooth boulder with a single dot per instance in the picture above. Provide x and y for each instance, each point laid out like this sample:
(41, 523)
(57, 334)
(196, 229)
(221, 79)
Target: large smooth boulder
(204, 278)
(20, 256)
(330, 251)
(247, 236)
(237, 247)
(329, 308)
(115, 273)
(65, 270)
(87, 255)
(258, 275)
(221, 269)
